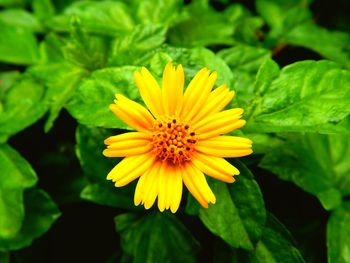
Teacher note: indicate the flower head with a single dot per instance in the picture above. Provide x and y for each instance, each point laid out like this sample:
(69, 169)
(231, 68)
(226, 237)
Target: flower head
(178, 139)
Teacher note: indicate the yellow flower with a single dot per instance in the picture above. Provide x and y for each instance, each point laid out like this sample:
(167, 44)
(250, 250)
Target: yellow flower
(178, 139)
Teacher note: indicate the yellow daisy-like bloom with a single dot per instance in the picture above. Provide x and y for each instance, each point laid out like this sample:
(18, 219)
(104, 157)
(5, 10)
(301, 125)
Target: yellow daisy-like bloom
(178, 139)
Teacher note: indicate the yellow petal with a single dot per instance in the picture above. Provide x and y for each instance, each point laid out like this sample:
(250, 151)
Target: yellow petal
(219, 123)
(170, 187)
(128, 136)
(177, 191)
(127, 144)
(125, 150)
(199, 96)
(225, 146)
(150, 91)
(130, 168)
(162, 186)
(194, 89)
(217, 100)
(146, 188)
(172, 91)
(132, 113)
(215, 167)
(196, 183)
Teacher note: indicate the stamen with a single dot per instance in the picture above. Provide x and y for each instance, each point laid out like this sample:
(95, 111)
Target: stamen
(171, 138)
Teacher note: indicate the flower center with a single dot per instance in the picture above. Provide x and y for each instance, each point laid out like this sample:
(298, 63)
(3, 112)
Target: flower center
(172, 140)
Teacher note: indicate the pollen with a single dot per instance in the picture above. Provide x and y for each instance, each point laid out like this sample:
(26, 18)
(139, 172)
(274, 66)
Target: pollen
(172, 140)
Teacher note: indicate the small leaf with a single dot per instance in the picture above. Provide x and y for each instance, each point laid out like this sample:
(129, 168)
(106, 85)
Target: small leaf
(17, 45)
(155, 237)
(40, 213)
(91, 100)
(239, 213)
(338, 235)
(16, 175)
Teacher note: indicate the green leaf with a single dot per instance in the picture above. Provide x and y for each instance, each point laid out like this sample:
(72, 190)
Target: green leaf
(239, 213)
(89, 104)
(192, 205)
(244, 62)
(315, 97)
(264, 142)
(61, 90)
(20, 18)
(244, 58)
(282, 17)
(43, 9)
(105, 17)
(198, 31)
(192, 60)
(275, 12)
(21, 111)
(16, 175)
(275, 245)
(268, 71)
(246, 26)
(9, 3)
(134, 48)
(333, 45)
(291, 23)
(105, 193)
(89, 152)
(40, 213)
(50, 50)
(96, 167)
(156, 237)
(338, 235)
(84, 50)
(159, 12)
(316, 163)
(61, 79)
(17, 45)
(7, 79)
(339, 150)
